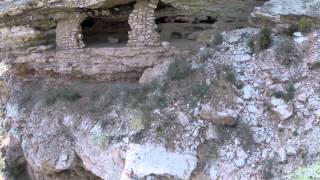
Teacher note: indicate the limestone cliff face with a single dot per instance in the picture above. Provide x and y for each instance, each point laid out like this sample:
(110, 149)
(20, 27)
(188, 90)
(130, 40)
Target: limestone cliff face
(281, 11)
(158, 89)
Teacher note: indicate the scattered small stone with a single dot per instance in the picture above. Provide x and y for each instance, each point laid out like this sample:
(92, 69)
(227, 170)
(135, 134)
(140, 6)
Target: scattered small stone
(182, 118)
(291, 148)
(241, 158)
(212, 133)
(240, 162)
(259, 135)
(264, 154)
(226, 118)
(303, 97)
(252, 109)
(299, 38)
(283, 109)
(282, 155)
(214, 171)
(317, 113)
(248, 92)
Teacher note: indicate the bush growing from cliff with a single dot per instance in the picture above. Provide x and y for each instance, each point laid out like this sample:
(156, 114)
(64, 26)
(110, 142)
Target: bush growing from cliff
(179, 69)
(267, 172)
(14, 170)
(217, 40)
(305, 24)
(226, 73)
(65, 94)
(286, 96)
(307, 173)
(251, 44)
(292, 29)
(287, 53)
(200, 90)
(264, 39)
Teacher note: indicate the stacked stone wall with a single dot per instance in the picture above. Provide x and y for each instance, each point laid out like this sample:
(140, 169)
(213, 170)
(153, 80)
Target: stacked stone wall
(69, 32)
(142, 22)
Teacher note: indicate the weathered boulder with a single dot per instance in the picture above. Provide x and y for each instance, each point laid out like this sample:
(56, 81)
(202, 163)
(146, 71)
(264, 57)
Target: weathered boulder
(283, 109)
(144, 160)
(157, 73)
(21, 37)
(221, 118)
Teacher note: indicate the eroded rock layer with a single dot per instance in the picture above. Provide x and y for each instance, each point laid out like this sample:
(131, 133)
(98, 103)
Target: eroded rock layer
(159, 89)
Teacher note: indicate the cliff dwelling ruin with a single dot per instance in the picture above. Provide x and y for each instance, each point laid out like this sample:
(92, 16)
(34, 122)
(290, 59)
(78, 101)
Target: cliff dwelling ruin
(140, 24)
(107, 40)
(116, 26)
(159, 89)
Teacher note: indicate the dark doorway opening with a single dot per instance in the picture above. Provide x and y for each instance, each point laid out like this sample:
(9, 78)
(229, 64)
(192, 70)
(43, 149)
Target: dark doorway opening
(105, 32)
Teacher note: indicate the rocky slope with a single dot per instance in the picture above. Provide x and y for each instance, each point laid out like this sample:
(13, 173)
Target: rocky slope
(212, 101)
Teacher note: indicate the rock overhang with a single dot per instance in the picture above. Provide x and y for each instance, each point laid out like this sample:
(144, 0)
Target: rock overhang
(105, 63)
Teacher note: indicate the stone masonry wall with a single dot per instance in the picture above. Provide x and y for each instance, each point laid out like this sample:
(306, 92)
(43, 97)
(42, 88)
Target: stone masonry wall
(69, 32)
(142, 23)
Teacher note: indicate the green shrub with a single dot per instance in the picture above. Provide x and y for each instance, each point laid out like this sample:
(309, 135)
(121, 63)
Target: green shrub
(179, 69)
(291, 91)
(14, 170)
(267, 172)
(200, 90)
(251, 44)
(65, 94)
(287, 53)
(292, 29)
(286, 96)
(154, 95)
(305, 24)
(218, 39)
(306, 173)
(264, 39)
(231, 77)
(279, 94)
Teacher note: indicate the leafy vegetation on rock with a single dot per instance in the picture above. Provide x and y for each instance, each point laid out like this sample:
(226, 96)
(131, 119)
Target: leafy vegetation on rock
(261, 41)
(64, 94)
(287, 95)
(179, 69)
(305, 24)
(307, 173)
(264, 39)
(291, 29)
(287, 53)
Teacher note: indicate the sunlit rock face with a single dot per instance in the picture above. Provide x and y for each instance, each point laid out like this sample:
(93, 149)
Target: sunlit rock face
(157, 89)
(280, 11)
(225, 9)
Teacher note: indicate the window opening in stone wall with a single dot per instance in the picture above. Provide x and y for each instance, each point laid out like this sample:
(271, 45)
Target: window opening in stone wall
(105, 32)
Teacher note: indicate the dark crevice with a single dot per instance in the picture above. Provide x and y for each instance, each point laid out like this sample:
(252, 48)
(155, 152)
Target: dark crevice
(167, 19)
(88, 23)
(209, 20)
(163, 6)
